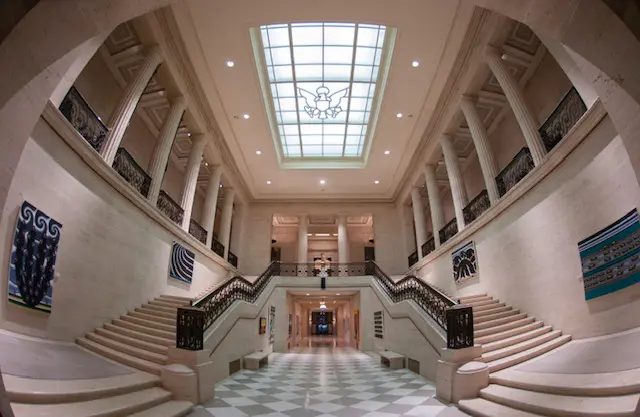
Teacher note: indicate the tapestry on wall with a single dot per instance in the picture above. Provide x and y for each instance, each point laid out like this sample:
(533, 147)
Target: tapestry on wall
(465, 264)
(33, 259)
(610, 258)
(182, 262)
(272, 322)
(262, 327)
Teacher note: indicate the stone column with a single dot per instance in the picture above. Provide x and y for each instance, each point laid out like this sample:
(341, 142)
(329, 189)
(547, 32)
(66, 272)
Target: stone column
(522, 111)
(435, 203)
(164, 142)
(458, 192)
(210, 202)
(343, 240)
(481, 142)
(225, 222)
(122, 114)
(303, 246)
(418, 219)
(191, 178)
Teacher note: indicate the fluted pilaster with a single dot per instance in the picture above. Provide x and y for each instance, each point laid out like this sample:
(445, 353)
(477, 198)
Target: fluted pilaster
(435, 202)
(458, 191)
(210, 202)
(191, 178)
(303, 239)
(418, 219)
(225, 221)
(343, 240)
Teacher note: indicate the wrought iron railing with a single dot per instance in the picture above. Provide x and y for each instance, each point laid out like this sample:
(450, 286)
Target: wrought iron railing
(292, 269)
(170, 208)
(413, 259)
(197, 231)
(76, 110)
(428, 246)
(195, 320)
(128, 168)
(563, 118)
(476, 207)
(233, 259)
(459, 327)
(217, 247)
(517, 169)
(448, 231)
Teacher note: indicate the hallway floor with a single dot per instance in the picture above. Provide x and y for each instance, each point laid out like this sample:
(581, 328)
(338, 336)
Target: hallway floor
(323, 379)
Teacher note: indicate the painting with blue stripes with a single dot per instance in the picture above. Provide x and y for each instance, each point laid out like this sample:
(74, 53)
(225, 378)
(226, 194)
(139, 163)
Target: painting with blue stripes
(182, 262)
(611, 258)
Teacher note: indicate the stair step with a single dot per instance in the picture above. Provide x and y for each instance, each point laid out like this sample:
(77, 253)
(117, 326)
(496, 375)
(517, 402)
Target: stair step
(487, 307)
(520, 347)
(124, 358)
(561, 405)
(185, 300)
(168, 409)
(482, 303)
(499, 344)
(173, 303)
(149, 323)
(163, 341)
(479, 407)
(478, 314)
(507, 333)
(164, 304)
(137, 342)
(528, 354)
(163, 309)
(499, 322)
(144, 329)
(498, 315)
(466, 298)
(128, 349)
(120, 405)
(150, 317)
(149, 311)
(503, 327)
(476, 300)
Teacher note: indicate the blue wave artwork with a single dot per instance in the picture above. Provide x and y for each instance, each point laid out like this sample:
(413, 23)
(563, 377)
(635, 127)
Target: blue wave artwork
(181, 264)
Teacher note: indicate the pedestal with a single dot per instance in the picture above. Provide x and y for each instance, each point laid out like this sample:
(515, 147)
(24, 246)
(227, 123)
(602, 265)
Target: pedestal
(200, 363)
(451, 360)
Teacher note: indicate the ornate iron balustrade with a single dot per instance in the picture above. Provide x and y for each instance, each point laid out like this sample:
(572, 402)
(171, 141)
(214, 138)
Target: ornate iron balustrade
(233, 259)
(476, 207)
(128, 168)
(459, 327)
(448, 231)
(76, 110)
(195, 320)
(170, 207)
(413, 259)
(197, 231)
(517, 169)
(563, 118)
(432, 301)
(428, 246)
(217, 247)
(353, 269)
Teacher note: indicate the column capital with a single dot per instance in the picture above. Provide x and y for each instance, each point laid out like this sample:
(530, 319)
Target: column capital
(491, 51)
(467, 99)
(153, 53)
(446, 137)
(180, 102)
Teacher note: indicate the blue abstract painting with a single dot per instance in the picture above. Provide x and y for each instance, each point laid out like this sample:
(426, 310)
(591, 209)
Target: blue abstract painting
(181, 264)
(465, 264)
(33, 259)
(611, 258)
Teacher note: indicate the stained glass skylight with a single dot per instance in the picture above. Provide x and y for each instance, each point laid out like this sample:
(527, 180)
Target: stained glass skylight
(322, 82)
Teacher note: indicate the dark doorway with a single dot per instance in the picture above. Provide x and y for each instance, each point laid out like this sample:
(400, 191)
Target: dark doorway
(322, 323)
(369, 253)
(276, 253)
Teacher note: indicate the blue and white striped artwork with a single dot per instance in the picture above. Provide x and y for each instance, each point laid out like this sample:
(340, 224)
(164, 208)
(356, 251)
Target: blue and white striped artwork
(181, 264)
(611, 258)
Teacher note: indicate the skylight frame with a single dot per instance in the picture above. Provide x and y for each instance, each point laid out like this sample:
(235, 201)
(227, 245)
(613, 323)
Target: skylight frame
(369, 102)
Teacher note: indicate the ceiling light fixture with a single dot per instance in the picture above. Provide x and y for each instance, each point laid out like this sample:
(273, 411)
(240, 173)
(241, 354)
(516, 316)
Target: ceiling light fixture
(220, 185)
(415, 64)
(323, 234)
(376, 182)
(309, 234)
(323, 182)
(230, 64)
(387, 152)
(246, 116)
(206, 164)
(268, 182)
(189, 134)
(258, 152)
(399, 115)
(338, 294)
(307, 293)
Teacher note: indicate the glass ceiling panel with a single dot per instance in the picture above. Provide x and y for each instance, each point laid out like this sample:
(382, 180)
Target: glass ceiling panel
(322, 78)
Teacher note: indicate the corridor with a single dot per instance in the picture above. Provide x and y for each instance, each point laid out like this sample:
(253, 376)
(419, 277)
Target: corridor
(322, 378)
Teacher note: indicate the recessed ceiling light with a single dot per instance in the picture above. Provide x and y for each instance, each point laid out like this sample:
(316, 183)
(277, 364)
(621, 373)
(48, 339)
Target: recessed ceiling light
(189, 134)
(376, 182)
(307, 293)
(338, 294)
(206, 164)
(387, 152)
(258, 152)
(268, 182)
(415, 64)
(399, 115)
(230, 64)
(246, 116)
(323, 182)
(220, 185)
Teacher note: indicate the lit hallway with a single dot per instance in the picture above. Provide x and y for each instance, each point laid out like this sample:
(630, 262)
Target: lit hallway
(323, 380)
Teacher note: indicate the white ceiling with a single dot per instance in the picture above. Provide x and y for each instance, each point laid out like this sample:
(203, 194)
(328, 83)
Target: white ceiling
(217, 31)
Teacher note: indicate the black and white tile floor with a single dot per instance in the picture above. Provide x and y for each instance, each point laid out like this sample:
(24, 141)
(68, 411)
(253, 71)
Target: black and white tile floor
(325, 382)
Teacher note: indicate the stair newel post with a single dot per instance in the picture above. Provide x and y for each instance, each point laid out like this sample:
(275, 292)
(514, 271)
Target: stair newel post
(190, 328)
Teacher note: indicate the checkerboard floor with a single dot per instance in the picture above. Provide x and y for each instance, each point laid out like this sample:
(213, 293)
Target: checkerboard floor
(326, 382)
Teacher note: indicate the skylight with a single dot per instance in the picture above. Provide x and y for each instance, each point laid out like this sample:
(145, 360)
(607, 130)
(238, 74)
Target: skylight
(322, 82)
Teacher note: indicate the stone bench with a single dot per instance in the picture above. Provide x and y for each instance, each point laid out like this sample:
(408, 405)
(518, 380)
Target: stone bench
(392, 359)
(255, 360)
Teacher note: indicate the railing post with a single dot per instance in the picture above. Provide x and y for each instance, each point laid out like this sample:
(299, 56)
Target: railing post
(459, 327)
(190, 328)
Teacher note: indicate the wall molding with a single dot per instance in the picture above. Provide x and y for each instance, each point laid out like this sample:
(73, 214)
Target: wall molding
(52, 116)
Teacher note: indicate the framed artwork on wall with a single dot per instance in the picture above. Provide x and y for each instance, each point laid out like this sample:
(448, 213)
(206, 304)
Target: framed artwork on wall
(290, 324)
(181, 263)
(262, 328)
(272, 323)
(465, 264)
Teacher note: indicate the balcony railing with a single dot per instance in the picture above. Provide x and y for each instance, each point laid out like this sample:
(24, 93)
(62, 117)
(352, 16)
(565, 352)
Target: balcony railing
(476, 207)
(170, 208)
(217, 247)
(76, 110)
(128, 168)
(197, 231)
(291, 269)
(233, 259)
(428, 246)
(448, 231)
(517, 169)
(413, 259)
(567, 114)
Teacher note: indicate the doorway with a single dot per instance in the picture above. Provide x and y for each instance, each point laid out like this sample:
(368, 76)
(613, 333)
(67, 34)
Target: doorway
(322, 323)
